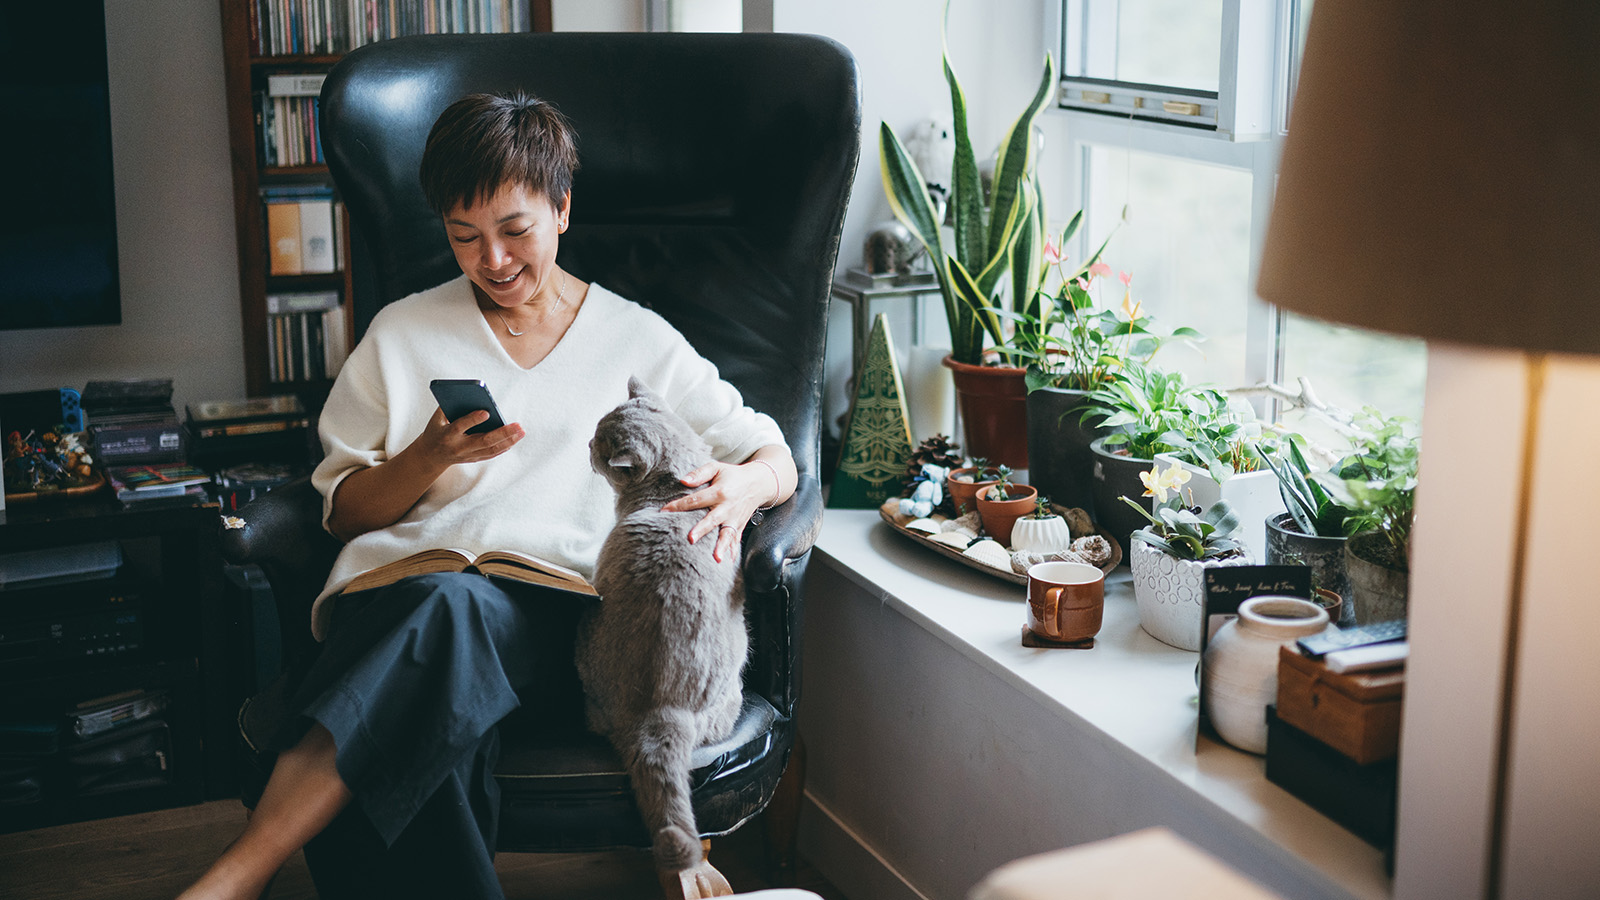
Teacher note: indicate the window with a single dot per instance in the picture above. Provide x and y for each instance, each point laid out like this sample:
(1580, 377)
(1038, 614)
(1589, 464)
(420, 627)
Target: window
(1198, 194)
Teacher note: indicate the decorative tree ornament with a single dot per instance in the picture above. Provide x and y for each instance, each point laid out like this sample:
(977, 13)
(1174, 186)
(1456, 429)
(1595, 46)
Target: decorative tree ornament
(877, 437)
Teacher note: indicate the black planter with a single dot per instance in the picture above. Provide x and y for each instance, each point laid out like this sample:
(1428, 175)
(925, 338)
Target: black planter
(1288, 546)
(1060, 463)
(1115, 477)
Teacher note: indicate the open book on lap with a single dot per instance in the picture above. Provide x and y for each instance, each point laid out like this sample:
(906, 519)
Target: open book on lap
(495, 564)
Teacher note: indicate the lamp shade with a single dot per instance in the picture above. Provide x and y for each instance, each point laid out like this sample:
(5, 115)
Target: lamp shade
(1441, 176)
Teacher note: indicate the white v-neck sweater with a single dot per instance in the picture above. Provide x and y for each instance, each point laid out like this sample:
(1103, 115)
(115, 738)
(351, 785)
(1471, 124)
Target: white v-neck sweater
(541, 497)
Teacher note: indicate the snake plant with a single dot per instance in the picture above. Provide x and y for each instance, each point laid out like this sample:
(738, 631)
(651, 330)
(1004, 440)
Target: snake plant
(971, 272)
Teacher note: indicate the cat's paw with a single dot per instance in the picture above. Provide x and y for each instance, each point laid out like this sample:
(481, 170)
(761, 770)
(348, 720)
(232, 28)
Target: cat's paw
(676, 849)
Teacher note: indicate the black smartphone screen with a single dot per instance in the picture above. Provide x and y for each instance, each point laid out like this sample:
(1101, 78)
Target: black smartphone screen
(459, 396)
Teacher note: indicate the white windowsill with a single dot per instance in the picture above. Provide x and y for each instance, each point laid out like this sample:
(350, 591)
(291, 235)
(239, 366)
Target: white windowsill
(1134, 689)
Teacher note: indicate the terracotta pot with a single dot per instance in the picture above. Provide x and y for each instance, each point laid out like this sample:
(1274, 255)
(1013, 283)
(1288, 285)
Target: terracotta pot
(1241, 665)
(1171, 593)
(1000, 516)
(994, 411)
(964, 494)
(1377, 590)
(1331, 603)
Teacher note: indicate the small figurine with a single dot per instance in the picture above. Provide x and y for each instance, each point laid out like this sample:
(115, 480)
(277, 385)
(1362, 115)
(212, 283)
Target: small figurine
(926, 494)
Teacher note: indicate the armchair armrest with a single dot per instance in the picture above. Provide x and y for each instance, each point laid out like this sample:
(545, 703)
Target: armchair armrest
(281, 531)
(786, 532)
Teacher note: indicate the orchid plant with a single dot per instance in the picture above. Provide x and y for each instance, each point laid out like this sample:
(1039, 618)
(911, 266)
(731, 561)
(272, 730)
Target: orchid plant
(1175, 528)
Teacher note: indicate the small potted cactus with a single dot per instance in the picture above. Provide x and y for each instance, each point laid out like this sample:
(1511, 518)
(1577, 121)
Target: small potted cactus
(1001, 504)
(1041, 531)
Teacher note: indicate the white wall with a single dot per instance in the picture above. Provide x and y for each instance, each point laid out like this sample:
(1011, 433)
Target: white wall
(997, 50)
(175, 229)
(597, 15)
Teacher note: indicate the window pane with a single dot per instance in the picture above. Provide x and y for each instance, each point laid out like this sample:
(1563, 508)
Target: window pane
(1350, 368)
(1187, 245)
(705, 15)
(1175, 43)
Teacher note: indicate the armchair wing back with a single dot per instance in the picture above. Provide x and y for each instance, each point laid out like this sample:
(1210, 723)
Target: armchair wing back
(715, 171)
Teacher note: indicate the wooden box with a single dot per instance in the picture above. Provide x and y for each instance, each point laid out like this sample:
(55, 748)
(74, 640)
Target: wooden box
(1357, 714)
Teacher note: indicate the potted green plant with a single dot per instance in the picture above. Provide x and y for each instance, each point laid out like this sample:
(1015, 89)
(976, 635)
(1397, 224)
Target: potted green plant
(963, 484)
(1001, 504)
(1148, 410)
(1042, 531)
(972, 270)
(1225, 446)
(1077, 345)
(1311, 532)
(1377, 483)
(1170, 554)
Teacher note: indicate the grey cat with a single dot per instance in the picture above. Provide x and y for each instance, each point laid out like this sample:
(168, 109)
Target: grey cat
(661, 657)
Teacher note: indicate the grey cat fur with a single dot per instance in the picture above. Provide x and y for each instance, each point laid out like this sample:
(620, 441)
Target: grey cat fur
(661, 657)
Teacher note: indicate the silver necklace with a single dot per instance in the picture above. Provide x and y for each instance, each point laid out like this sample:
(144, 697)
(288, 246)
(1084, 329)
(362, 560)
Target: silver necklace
(560, 296)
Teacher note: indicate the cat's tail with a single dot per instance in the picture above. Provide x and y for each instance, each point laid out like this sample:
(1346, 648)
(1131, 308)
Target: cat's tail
(659, 768)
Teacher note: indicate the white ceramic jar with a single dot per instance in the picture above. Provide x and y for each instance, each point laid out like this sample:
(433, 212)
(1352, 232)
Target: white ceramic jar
(1241, 665)
(1171, 593)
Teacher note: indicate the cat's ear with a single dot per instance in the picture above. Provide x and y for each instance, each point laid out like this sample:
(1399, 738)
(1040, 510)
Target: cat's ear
(627, 459)
(636, 387)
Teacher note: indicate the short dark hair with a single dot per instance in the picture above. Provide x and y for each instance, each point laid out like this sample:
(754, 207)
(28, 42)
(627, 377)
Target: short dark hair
(484, 142)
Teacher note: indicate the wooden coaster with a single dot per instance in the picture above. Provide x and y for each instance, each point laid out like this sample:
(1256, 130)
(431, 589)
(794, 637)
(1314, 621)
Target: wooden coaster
(1029, 639)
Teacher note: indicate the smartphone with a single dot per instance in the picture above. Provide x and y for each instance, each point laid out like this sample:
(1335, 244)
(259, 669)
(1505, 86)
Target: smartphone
(459, 396)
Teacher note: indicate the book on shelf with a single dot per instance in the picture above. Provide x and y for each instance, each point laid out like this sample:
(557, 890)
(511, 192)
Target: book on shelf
(280, 27)
(149, 482)
(495, 564)
(300, 229)
(305, 336)
(257, 415)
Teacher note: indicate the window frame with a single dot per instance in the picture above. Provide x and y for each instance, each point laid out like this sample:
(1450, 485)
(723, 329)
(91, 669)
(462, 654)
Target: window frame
(1247, 136)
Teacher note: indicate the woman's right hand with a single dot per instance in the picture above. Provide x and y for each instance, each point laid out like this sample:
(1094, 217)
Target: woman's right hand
(377, 497)
(444, 443)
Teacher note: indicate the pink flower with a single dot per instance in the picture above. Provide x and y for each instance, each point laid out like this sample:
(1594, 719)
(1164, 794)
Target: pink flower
(1052, 256)
(1100, 269)
(1125, 278)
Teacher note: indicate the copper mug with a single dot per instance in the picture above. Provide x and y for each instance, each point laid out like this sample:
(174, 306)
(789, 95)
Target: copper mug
(1065, 600)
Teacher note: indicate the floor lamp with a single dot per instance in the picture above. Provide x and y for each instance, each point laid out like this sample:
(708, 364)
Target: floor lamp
(1441, 178)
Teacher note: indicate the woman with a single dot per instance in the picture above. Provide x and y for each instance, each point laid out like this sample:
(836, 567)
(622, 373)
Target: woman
(395, 742)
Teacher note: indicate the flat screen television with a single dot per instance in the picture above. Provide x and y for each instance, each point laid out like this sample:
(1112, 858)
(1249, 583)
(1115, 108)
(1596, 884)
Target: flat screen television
(58, 214)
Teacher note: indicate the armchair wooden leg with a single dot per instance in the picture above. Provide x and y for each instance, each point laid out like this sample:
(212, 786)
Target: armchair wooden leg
(696, 882)
(782, 819)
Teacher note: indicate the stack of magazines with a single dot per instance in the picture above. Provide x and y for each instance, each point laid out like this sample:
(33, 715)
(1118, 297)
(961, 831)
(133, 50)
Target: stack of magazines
(157, 481)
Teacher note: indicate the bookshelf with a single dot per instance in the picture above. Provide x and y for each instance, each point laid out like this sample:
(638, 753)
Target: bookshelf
(295, 349)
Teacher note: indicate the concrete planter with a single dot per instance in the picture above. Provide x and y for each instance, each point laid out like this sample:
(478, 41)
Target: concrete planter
(1377, 591)
(1060, 463)
(1171, 593)
(1287, 546)
(1117, 476)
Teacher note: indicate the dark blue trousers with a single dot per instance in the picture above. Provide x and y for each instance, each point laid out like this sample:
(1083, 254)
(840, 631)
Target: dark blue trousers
(411, 683)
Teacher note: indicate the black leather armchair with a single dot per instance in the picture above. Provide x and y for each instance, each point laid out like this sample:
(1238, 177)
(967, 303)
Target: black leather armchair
(715, 174)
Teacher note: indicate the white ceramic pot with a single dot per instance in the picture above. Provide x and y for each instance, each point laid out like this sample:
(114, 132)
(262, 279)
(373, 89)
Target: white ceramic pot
(1254, 497)
(1241, 665)
(1171, 592)
(1046, 536)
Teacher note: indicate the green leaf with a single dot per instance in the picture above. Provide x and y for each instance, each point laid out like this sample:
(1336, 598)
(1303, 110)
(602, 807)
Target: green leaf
(976, 300)
(966, 194)
(907, 190)
(1015, 160)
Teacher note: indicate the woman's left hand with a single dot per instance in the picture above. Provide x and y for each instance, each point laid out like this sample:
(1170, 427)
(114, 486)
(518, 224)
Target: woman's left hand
(730, 495)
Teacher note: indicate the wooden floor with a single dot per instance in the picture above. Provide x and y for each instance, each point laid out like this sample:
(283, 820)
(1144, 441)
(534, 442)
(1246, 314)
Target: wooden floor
(153, 856)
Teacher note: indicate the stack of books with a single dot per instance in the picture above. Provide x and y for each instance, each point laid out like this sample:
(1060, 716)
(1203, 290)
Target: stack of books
(159, 481)
(260, 430)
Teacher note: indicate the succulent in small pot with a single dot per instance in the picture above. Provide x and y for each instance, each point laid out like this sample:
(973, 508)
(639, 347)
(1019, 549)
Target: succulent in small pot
(964, 483)
(1170, 555)
(1042, 531)
(1001, 504)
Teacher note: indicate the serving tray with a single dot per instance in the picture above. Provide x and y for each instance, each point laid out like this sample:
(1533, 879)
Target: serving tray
(949, 552)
